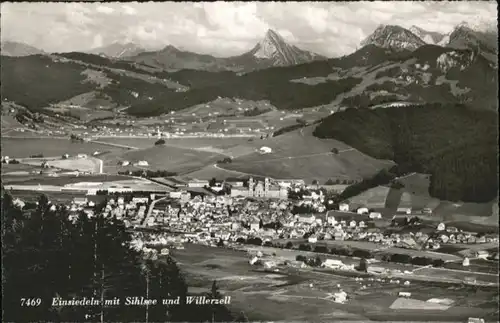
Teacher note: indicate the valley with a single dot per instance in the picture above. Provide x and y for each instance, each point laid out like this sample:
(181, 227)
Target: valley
(348, 174)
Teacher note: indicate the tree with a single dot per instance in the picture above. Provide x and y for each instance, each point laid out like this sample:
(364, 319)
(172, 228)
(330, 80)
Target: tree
(363, 265)
(45, 255)
(329, 182)
(160, 142)
(301, 258)
(335, 151)
(317, 261)
(242, 317)
(212, 182)
(220, 243)
(289, 245)
(304, 247)
(315, 182)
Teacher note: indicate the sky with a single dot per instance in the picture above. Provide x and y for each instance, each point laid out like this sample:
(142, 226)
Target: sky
(226, 28)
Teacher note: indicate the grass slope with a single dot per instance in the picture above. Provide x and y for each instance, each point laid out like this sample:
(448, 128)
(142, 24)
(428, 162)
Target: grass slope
(298, 154)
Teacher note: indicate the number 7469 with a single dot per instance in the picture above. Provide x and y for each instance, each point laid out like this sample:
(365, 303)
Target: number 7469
(31, 301)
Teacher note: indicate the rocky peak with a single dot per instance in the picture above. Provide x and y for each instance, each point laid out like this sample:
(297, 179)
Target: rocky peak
(429, 37)
(394, 37)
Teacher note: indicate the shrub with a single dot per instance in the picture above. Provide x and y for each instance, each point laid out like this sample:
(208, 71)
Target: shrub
(160, 142)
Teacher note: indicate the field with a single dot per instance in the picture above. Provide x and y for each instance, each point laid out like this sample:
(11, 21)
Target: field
(62, 180)
(298, 154)
(89, 164)
(229, 145)
(415, 195)
(162, 158)
(305, 295)
(50, 147)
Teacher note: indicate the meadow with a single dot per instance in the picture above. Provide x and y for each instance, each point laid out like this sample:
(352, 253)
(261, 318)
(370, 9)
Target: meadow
(162, 157)
(298, 154)
(304, 295)
(50, 147)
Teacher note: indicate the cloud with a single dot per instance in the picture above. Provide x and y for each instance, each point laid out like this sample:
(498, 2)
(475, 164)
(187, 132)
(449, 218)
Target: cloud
(105, 10)
(226, 28)
(129, 10)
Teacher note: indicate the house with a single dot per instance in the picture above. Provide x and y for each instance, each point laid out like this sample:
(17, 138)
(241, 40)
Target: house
(344, 207)
(403, 210)
(80, 200)
(404, 294)
(125, 163)
(362, 210)
(475, 320)
(466, 262)
(254, 226)
(375, 215)
(312, 239)
(197, 183)
(352, 224)
(441, 227)
(340, 297)
(483, 254)
(142, 163)
(306, 218)
(332, 263)
(265, 150)
(331, 220)
(339, 235)
(18, 202)
(81, 156)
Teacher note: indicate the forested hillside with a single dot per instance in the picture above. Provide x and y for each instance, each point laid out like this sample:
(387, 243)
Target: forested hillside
(456, 144)
(37, 81)
(45, 256)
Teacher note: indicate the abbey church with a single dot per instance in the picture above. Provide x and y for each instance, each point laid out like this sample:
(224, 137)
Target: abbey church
(261, 189)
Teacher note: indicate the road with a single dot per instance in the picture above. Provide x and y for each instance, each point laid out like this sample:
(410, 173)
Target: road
(150, 210)
(114, 145)
(296, 157)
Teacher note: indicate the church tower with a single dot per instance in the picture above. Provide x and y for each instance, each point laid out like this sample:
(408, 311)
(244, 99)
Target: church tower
(266, 186)
(250, 186)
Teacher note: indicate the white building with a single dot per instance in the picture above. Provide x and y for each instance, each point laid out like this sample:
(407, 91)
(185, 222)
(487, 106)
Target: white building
(375, 215)
(265, 150)
(362, 210)
(142, 163)
(197, 183)
(264, 189)
(81, 156)
(441, 227)
(125, 163)
(404, 210)
(333, 263)
(344, 207)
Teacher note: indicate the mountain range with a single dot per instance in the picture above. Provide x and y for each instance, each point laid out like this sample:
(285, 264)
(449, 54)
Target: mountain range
(463, 36)
(118, 50)
(10, 48)
(270, 51)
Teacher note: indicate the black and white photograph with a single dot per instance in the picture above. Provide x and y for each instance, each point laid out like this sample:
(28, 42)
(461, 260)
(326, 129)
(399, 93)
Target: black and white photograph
(249, 161)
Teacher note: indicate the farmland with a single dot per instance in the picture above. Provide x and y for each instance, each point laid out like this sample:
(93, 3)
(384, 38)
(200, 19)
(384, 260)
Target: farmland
(297, 154)
(415, 194)
(163, 158)
(50, 147)
(303, 295)
(227, 145)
